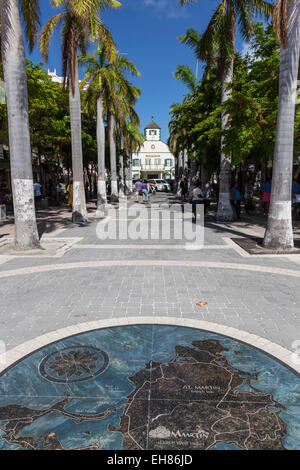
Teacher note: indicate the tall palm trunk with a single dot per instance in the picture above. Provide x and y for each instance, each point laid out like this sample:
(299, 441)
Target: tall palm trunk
(129, 172)
(101, 181)
(79, 212)
(14, 66)
(185, 163)
(127, 176)
(121, 162)
(225, 211)
(203, 170)
(193, 172)
(180, 165)
(113, 160)
(279, 232)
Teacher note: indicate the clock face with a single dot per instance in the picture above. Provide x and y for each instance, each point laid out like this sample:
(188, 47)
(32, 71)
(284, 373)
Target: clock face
(153, 146)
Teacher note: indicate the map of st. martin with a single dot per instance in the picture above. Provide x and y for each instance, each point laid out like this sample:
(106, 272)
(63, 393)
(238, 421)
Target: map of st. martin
(149, 387)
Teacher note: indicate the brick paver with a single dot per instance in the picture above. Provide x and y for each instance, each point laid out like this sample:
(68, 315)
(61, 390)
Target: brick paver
(262, 303)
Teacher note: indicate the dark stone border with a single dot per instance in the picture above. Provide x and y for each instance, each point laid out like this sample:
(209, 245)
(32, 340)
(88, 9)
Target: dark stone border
(253, 246)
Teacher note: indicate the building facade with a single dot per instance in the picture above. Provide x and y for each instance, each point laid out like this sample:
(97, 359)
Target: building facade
(154, 160)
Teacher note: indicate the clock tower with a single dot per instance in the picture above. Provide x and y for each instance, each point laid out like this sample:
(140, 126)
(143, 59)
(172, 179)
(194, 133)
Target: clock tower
(152, 131)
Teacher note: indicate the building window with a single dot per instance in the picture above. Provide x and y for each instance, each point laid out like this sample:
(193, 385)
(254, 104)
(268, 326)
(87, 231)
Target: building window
(136, 162)
(168, 162)
(157, 161)
(152, 132)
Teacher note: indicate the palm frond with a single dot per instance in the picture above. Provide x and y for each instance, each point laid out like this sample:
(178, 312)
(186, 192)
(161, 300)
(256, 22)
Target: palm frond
(263, 7)
(191, 38)
(47, 32)
(186, 75)
(244, 11)
(91, 7)
(104, 36)
(125, 65)
(31, 13)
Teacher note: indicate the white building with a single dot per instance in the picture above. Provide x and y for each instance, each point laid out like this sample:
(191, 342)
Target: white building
(56, 78)
(154, 159)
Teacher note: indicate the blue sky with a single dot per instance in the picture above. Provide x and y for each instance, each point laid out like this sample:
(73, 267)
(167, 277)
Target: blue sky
(147, 31)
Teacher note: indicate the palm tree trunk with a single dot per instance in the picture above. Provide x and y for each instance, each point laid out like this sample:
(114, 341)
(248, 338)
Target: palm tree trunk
(127, 176)
(101, 181)
(14, 66)
(180, 165)
(121, 161)
(185, 163)
(225, 211)
(79, 212)
(193, 172)
(129, 173)
(113, 160)
(279, 232)
(203, 171)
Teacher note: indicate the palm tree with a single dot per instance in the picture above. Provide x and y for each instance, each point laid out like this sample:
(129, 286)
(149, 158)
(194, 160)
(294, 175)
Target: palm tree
(133, 93)
(185, 74)
(119, 99)
(279, 232)
(98, 79)
(218, 41)
(133, 140)
(115, 97)
(14, 67)
(79, 22)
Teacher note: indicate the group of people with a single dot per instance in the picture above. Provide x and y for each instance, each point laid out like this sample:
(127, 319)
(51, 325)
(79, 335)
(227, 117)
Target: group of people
(203, 195)
(236, 197)
(142, 190)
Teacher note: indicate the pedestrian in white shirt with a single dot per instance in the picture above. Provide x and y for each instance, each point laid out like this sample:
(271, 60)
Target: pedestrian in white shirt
(198, 198)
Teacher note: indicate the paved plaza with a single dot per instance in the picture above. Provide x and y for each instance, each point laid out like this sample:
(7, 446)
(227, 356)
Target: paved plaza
(81, 284)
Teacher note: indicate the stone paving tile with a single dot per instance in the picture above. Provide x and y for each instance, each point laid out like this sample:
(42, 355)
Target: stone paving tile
(266, 304)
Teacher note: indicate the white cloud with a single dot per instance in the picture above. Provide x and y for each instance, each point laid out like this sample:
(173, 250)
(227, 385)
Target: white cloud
(163, 8)
(246, 49)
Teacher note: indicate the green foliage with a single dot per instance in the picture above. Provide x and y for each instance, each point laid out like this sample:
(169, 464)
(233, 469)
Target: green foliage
(252, 107)
(49, 120)
(254, 101)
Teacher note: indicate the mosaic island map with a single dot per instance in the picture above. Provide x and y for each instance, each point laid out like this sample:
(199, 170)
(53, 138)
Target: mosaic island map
(149, 387)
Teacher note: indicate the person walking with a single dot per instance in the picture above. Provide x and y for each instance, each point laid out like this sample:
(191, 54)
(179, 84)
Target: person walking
(183, 188)
(37, 189)
(145, 190)
(70, 194)
(295, 191)
(138, 190)
(235, 199)
(197, 198)
(295, 198)
(149, 188)
(266, 195)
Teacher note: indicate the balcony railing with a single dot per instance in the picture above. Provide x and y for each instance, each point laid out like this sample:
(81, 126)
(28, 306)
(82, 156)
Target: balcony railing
(153, 166)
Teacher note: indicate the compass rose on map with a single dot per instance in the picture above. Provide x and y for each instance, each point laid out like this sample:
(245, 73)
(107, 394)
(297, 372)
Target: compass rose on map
(74, 364)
